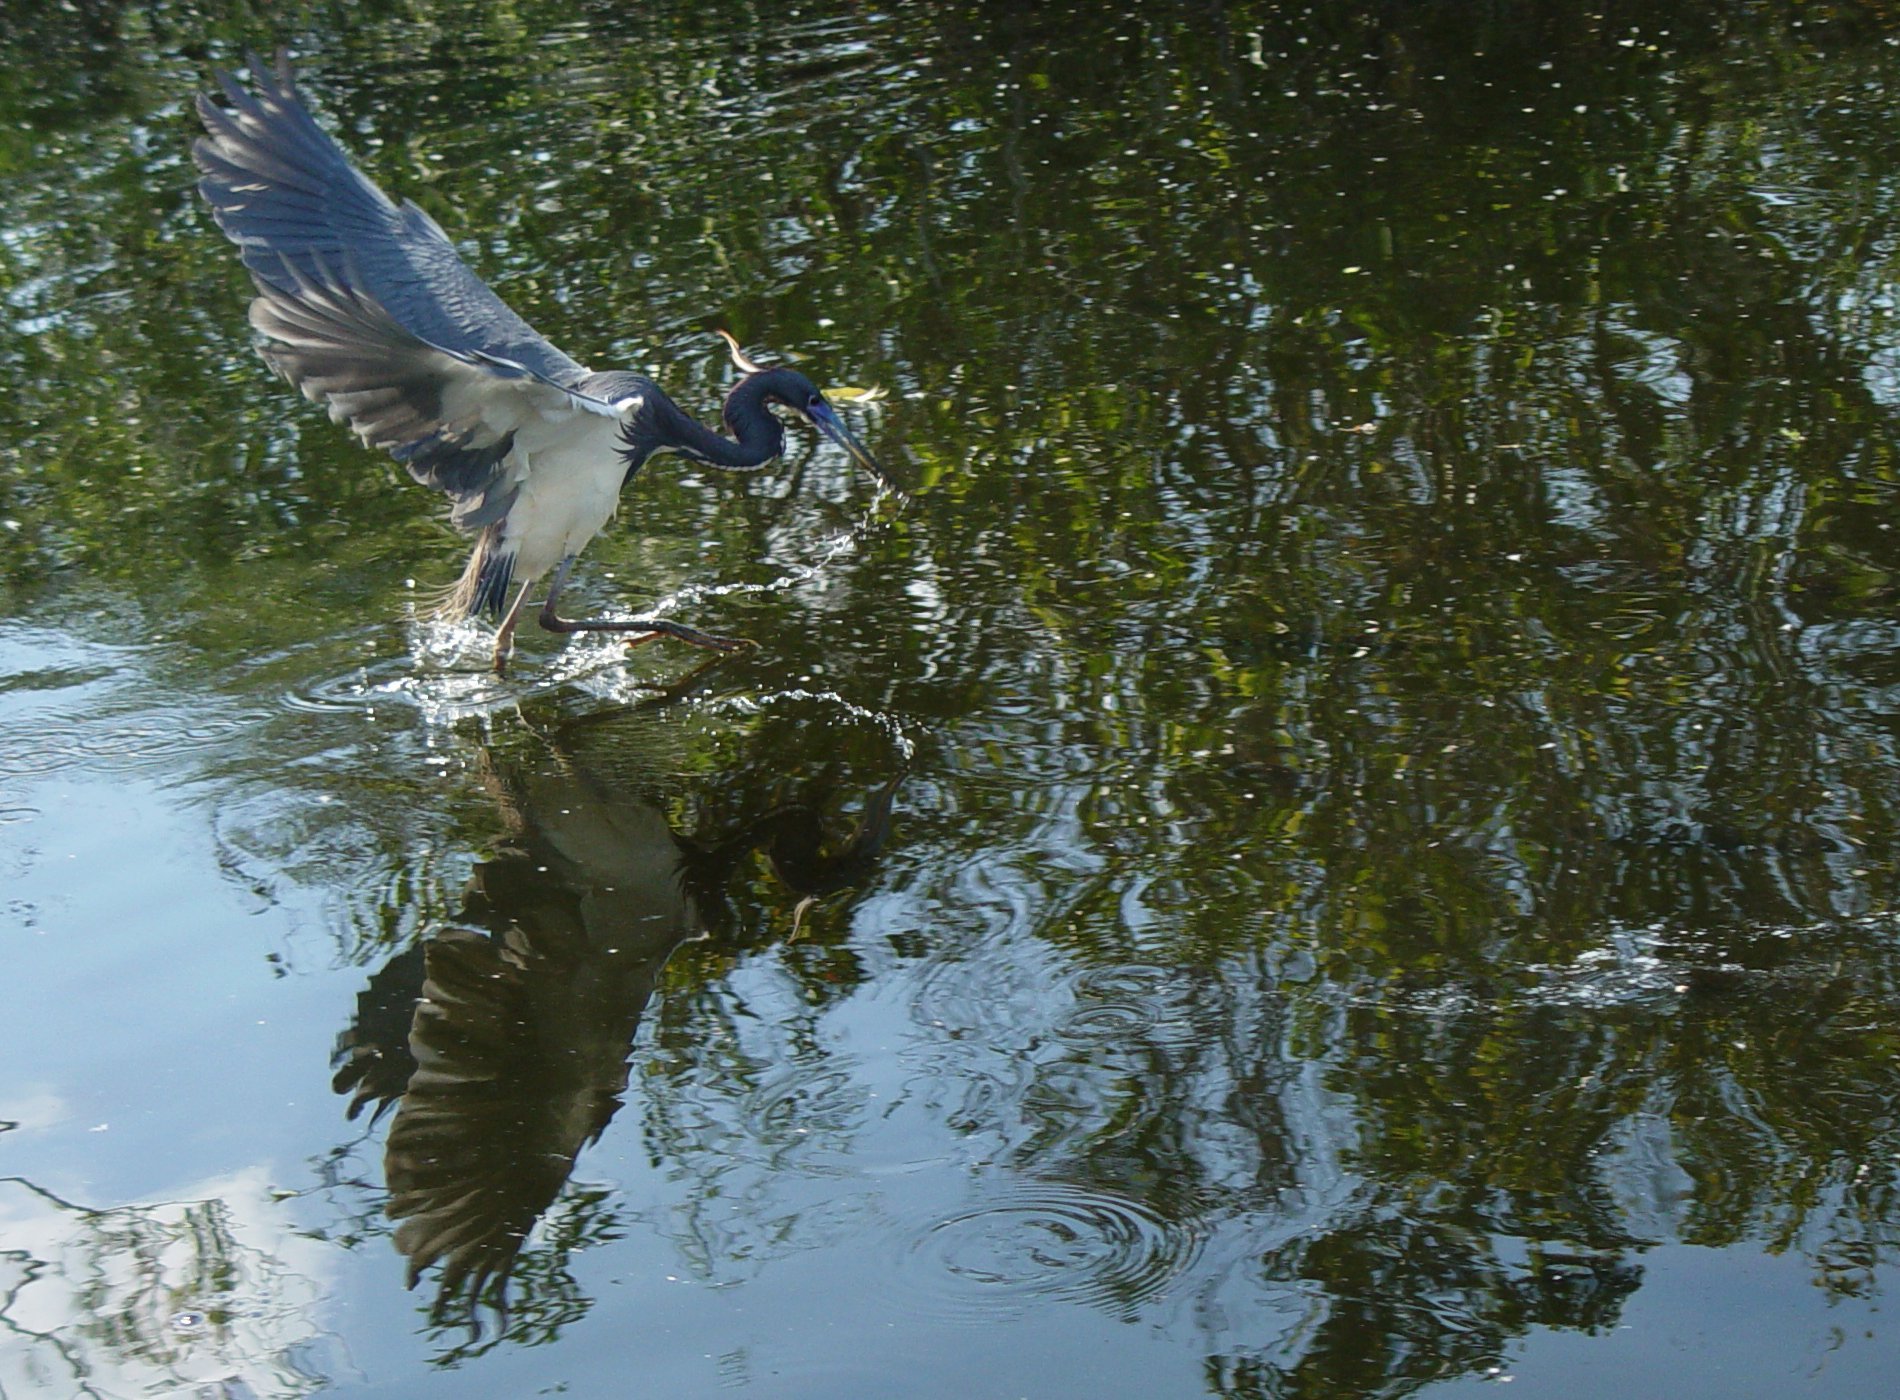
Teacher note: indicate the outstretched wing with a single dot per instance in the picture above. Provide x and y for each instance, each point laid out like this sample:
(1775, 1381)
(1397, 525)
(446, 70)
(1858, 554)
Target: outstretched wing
(365, 306)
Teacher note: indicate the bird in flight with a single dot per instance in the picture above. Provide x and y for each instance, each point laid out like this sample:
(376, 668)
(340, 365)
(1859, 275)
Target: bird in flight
(365, 306)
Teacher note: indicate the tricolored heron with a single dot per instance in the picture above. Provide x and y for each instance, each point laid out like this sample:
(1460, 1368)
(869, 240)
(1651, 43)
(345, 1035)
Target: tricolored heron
(364, 305)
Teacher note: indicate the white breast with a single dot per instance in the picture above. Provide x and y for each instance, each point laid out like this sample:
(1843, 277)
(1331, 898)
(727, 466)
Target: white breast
(570, 475)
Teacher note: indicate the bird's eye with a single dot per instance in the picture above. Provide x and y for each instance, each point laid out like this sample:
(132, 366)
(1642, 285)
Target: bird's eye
(814, 403)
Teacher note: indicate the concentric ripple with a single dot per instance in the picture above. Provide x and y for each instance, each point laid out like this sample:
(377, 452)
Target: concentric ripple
(1044, 1240)
(1115, 1003)
(1132, 1001)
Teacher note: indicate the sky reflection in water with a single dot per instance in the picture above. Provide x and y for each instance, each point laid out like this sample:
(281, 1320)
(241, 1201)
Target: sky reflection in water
(1341, 841)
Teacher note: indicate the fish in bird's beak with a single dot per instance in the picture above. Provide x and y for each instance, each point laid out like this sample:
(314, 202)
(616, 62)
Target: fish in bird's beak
(825, 418)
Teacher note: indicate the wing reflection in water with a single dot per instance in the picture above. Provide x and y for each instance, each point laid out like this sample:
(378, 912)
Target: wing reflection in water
(504, 1045)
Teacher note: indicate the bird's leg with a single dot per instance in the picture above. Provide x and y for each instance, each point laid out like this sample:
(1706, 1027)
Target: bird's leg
(505, 634)
(647, 629)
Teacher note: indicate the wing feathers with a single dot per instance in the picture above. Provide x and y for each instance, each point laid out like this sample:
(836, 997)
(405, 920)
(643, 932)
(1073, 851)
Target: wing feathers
(365, 306)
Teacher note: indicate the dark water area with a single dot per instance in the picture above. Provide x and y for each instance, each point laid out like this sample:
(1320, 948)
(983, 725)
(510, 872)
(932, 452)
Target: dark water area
(1338, 839)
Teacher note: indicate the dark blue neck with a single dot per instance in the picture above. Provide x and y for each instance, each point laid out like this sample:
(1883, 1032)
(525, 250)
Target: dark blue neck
(757, 437)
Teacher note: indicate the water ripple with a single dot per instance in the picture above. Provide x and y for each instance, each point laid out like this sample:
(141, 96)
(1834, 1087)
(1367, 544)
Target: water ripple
(377, 891)
(803, 1102)
(1010, 1002)
(394, 681)
(997, 1003)
(1047, 1240)
(115, 741)
(1126, 1002)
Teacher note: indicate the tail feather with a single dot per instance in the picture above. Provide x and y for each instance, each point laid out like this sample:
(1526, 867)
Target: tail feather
(483, 586)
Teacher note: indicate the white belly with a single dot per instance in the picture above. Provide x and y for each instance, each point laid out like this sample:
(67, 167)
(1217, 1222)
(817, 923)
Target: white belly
(570, 489)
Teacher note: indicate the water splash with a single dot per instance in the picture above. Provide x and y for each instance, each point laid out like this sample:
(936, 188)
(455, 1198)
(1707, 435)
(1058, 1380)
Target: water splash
(891, 725)
(841, 545)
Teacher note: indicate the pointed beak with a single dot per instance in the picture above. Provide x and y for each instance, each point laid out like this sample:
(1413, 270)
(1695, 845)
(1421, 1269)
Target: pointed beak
(826, 420)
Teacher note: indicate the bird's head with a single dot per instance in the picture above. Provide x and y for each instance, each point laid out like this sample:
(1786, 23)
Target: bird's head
(779, 385)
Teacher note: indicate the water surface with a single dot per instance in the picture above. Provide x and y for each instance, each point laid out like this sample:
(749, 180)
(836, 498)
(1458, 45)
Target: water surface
(1340, 840)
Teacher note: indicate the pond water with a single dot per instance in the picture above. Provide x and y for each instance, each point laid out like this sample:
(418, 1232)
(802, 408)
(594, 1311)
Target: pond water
(1337, 839)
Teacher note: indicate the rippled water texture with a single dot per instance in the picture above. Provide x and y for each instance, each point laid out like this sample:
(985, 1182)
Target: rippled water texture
(1042, 1243)
(1337, 839)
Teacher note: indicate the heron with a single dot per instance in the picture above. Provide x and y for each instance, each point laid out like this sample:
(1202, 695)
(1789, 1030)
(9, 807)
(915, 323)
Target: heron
(364, 305)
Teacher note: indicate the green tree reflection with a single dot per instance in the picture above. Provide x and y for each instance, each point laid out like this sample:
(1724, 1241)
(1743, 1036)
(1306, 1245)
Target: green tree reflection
(1402, 579)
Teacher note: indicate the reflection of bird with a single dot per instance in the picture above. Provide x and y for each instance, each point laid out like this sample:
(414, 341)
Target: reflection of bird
(793, 838)
(508, 1048)
(365, 306)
